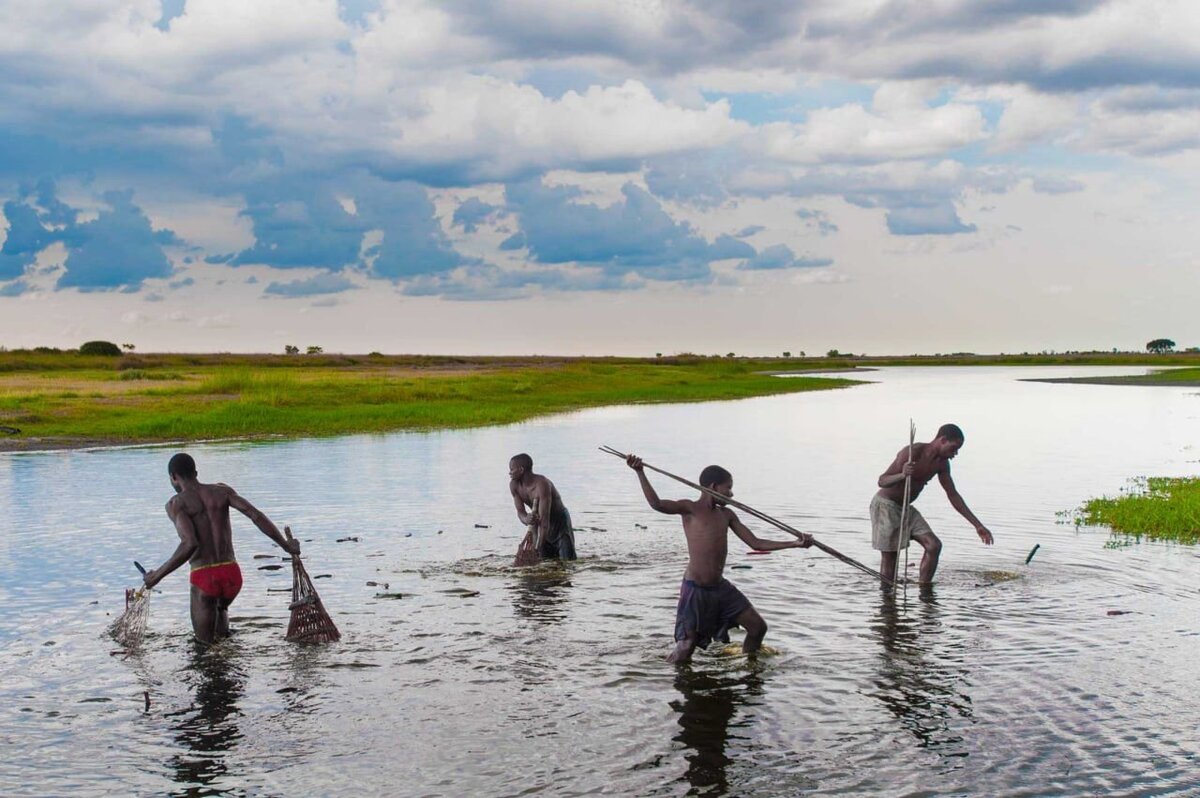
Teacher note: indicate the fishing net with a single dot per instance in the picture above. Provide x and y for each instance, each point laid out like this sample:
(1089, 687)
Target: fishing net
(527, 551)
(130, 628)
(310, 622)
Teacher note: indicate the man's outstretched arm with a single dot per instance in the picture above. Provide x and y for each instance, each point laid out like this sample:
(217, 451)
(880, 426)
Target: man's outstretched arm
(262, 522)
(956, 501)
(183, 552)
(758, 544)
(665, 506)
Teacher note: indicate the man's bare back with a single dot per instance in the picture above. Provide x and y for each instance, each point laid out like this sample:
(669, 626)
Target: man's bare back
(200, 513)
(208, 507)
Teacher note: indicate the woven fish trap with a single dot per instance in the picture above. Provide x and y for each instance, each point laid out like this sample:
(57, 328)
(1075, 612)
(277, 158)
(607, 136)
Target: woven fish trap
(310, 623)
(129, 629)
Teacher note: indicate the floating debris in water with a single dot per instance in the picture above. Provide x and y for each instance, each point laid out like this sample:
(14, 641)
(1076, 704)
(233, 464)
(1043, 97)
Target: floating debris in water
(742, 567)
(264, 557)
(1032, 552)
(347, 540)
(323, 576)
(389, 595)
(383, 585)
(439, 531)
(408, 534)
(269, 567)
(1120, 612)
(640, 526)
(482, 526)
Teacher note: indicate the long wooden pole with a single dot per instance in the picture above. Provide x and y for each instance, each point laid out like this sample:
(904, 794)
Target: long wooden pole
(912, 436)
(757, 514)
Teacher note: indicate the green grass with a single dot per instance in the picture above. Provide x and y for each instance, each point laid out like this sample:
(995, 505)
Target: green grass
(168, 398)
(1158, 508)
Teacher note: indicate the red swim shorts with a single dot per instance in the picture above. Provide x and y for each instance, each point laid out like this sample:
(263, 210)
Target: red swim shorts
(222, 580)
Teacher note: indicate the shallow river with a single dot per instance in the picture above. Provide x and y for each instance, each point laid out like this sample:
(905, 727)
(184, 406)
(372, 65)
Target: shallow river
(1009, 679)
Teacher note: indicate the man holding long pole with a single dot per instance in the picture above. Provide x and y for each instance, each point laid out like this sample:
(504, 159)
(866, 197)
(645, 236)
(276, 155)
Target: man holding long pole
(894, 522)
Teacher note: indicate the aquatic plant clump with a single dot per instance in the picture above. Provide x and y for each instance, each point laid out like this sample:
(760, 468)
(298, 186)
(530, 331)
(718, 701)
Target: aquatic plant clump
(1158, 508)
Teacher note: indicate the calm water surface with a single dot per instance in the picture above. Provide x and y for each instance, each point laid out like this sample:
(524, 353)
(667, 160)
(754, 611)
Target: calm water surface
(1007, 680)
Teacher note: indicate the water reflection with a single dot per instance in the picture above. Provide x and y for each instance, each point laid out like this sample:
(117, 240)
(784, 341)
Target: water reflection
(709, 703)
(208, 729)
(920, 676)
(540, 593)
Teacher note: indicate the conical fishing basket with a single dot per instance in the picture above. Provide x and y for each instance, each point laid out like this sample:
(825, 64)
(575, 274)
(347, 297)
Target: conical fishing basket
(129, 629)
(310, 622)
(527, 551)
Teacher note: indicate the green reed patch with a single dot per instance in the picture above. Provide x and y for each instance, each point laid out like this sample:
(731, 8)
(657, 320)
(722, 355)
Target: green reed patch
(1158, 508)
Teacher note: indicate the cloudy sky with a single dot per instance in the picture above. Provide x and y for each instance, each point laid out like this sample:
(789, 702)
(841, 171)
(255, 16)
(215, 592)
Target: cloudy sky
(600, 176)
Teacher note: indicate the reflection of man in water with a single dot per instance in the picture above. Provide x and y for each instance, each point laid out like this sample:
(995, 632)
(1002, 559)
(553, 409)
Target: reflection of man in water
(929, 459)
(709, 605)
(922, 687)
(555, 537)
(710, 702)
(208, 729)
(201, 516)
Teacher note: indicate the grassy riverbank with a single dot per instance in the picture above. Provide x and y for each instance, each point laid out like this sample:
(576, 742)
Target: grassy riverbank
(1178, 377)
(1158, 508)
(66, 399)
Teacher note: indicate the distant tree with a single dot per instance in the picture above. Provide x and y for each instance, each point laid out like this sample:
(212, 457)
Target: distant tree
(731, 354)
(1160, 345)
(802, 353)
(1192, 349)
(128, 347)
(314, 350)
(291, 350)
(375, 354)
(100, 348)
(658, 354)
(787, 354)
(833, 353)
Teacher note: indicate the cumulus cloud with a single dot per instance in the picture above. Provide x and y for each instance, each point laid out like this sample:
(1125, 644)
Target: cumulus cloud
(633, 235)
(472, 212)
(324, 283)
(117, 249)
(780, 256)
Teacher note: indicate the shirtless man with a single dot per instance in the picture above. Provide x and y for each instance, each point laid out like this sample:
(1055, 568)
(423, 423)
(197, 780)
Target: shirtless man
(555, 537)
(709, 604)
(201, 516)
(929, 459)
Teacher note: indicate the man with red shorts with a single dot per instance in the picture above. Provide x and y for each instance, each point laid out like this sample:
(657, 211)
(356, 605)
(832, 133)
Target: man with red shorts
(200, 513)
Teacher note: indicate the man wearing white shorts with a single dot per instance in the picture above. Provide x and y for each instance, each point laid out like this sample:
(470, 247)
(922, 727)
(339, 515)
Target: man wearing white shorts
(928, 460)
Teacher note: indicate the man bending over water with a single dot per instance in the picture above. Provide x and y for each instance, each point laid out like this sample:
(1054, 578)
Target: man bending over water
(555, 537)
(201, 516)
(709, 604)
(929, 459)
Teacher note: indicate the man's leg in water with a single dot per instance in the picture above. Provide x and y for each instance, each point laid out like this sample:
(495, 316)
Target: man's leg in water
(206, 616)
(683, 650)
(756, 629)
(887, 565)
(933, 552)
(223, 618)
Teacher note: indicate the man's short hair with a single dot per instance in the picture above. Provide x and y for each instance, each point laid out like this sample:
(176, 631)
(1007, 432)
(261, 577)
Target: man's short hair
(523, 460)
(951, 432)
(714, 475)
(182, 465)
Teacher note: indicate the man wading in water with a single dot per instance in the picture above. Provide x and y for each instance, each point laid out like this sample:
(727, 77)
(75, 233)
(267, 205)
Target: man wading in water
(928, 459)
(555, 537)
(709, 604)
(201, 517)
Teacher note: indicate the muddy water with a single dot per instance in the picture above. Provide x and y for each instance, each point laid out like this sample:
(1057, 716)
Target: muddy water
(457, 675)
